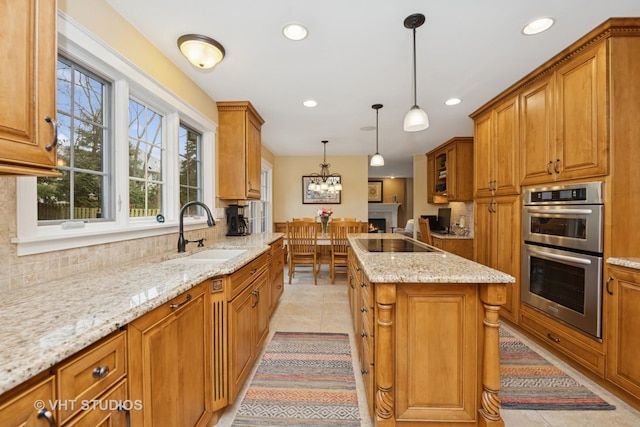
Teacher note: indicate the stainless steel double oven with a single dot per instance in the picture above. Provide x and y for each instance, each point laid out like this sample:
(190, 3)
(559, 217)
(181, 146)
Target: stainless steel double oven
(562, 253)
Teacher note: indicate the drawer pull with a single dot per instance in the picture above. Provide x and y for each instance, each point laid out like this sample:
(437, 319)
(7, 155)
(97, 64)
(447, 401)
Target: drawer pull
(186, 300)
(253, 271)
(363, 309)
(100, 372)
(363, 285)
(552, 338)
(364, 371)
(363, 334)
(47, 415)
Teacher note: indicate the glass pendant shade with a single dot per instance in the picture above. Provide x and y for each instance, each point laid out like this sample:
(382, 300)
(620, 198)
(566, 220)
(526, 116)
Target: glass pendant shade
(416, 120)
(377, 160)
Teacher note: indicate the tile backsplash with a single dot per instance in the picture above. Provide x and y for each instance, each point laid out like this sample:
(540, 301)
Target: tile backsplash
(16, 271)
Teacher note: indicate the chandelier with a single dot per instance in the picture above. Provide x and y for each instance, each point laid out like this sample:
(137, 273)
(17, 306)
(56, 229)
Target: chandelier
(325, 181)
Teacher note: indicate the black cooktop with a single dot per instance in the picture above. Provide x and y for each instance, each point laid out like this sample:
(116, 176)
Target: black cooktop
(393, 245)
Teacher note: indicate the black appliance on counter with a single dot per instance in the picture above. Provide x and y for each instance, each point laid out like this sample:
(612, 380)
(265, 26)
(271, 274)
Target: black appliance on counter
(440, 223)
(236, 221)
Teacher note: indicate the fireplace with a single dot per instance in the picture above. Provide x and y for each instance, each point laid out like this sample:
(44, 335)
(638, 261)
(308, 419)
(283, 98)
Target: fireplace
(377, 225)
(388, 211)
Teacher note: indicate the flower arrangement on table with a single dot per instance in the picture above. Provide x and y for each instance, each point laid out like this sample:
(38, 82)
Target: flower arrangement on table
(324, 214)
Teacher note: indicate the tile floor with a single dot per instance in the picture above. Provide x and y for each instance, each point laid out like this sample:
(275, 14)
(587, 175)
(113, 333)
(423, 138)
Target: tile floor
(325, 308)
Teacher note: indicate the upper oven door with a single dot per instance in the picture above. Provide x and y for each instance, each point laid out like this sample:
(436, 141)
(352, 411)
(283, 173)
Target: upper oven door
(569, 226)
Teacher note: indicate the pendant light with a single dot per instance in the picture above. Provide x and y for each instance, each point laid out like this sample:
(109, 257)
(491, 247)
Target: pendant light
(377, 159)
(416, 119)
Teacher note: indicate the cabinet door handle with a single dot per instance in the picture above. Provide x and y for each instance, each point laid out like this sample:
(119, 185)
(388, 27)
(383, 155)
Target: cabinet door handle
(552, 338)
(127, 414)
(255, 293)
(47, 415)
(548, 168)
(555, 166)
(186, 300)
(609, 280)
(55, 133)
(100, 372)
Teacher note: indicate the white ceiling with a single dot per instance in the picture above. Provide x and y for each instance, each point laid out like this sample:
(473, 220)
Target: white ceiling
(359, 53)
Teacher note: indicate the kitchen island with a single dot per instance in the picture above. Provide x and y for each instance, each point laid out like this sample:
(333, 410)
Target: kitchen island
(429, 332)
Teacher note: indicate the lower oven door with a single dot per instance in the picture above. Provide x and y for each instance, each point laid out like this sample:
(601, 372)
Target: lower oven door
(565, 285)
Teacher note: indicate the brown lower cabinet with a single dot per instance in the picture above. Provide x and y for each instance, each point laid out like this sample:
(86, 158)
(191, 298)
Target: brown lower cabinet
(17, 407)
(460, 247)
(622, 323)
(168, 364)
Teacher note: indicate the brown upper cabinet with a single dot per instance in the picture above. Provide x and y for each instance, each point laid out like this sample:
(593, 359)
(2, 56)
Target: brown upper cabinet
(450, 171)
(496, 150)
(239, 151)
(28, 85)
(564, 120)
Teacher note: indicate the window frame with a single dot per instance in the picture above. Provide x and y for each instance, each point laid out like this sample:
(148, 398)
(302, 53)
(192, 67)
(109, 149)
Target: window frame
(128, 80)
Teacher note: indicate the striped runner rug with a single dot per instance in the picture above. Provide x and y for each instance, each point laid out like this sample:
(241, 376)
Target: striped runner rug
(304, 379)
(529, 381)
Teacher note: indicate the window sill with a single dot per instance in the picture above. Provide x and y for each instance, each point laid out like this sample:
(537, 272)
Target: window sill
(56, 238)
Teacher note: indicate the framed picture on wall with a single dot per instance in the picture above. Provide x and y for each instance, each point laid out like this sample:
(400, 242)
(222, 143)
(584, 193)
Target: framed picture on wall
(375, 191)
(310, 197)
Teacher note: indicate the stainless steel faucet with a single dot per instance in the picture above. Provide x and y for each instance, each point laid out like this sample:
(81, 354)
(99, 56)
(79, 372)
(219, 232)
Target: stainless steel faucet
(182, 243)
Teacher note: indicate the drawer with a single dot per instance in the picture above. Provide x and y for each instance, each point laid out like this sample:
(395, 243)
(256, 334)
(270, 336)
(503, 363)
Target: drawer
(106, 411)
(366, 311)
(563, 341)
(87, 375)
(276, 246)
(17, 405)
(243, 277)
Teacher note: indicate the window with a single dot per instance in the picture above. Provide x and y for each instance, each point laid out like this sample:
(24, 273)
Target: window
(145, 161)
(130, 149)
(261, 212)
(84, 150)
(189, 153)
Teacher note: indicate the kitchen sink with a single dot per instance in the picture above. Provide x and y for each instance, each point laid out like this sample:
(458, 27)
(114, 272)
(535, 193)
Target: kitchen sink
(210, 256)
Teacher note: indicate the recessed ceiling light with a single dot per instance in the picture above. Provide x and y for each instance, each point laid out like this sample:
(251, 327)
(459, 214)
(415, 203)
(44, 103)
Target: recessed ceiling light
(537, 26)
(309, 103)
(295, 31)
(453, 101)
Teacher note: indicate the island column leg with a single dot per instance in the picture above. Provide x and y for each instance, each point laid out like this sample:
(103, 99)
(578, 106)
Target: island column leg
(384, 355)
(492, 296)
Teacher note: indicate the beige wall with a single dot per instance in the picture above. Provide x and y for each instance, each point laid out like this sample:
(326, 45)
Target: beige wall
(100, 19)
(106, 24)
(287, 186)
(420, 204)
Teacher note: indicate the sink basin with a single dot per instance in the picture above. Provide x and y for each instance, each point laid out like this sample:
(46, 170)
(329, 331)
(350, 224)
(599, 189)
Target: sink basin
(211, 256)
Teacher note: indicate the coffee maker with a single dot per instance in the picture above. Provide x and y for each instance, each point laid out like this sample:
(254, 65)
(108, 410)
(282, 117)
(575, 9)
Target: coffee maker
(236, 222)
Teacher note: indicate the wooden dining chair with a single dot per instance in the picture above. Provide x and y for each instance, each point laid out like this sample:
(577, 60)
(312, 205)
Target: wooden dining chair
(425, 231)
(302, 247)
(338, 231)
(342, 219)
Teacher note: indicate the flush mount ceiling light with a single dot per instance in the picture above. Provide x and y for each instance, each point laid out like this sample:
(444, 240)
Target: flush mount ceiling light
(416, 119)
(202, 51)
(538, 25)
(377, 159)
(310, 103)
(295, 31)
(453, 101)
(325, 180)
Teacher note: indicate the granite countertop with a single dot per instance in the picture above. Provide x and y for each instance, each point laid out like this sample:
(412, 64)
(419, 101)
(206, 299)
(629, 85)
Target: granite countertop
(45, 323)
(629, 262)
(450, 236)
(421, 267)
